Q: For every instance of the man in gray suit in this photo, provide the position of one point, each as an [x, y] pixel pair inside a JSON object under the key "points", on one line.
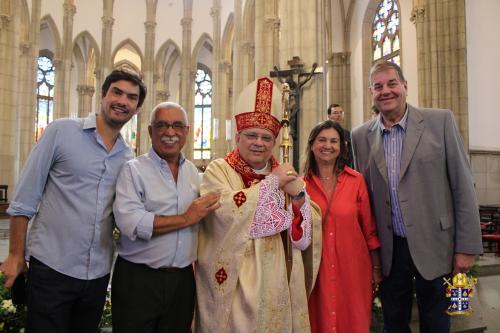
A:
{"points": [[423, 198]]}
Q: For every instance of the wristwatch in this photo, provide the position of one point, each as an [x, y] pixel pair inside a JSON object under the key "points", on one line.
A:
{"points": [[299, 195]]}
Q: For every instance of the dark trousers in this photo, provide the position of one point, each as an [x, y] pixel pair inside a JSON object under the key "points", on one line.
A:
{"points": [[151, 300], [58, 303], [396, 294]]}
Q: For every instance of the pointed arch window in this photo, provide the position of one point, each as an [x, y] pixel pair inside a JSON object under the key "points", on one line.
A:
{"points": [[386, 32], [44, 94], [202, 113]]}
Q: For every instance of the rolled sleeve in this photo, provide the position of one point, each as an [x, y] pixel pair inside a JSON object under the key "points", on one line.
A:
{"points": [[131, 216], [33, 179]]}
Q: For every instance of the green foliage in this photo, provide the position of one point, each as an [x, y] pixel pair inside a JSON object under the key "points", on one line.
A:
{"points": [[106, 314], [12, 317]]}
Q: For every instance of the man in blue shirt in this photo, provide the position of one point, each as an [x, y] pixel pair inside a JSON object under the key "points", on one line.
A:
{"points": [[66, 190], [157, 210]]}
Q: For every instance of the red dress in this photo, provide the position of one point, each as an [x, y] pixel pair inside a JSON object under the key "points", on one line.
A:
{"points": [[341, 300]]}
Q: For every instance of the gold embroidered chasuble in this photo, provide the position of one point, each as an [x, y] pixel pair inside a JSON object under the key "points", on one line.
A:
{"points": [[242, 282]]}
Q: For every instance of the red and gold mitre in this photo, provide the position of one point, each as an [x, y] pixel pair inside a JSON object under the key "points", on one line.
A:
{"points": [[258, 96]]}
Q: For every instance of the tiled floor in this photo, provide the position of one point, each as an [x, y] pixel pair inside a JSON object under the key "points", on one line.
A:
{"points": [[488, 288]]}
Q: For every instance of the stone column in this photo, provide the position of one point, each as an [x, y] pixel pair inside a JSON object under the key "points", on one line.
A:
{"points": [[9, 61], [19, 51], [267, 25], [187, 76], [225, 95], [442, 57], [63, 72], [143, 140], [217, 116], [162, 96], [340, 68], [302, 34], [85, 93], [106, 39], [238, 82]]}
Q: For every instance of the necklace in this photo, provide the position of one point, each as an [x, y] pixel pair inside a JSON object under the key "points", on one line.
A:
{"points": [[324, 178]]}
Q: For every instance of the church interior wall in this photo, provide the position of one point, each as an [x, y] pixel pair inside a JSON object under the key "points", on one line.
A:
{"points": [[348, 37], [129, 24], [483, 54], [168, 22]]}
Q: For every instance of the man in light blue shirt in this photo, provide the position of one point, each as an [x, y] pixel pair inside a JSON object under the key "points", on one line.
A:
{"points": [[157, 210], [66, 190]]}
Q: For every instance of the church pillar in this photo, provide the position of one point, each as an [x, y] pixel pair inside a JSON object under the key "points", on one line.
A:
{"points": [[217, 114], [63, 72], [143, 139], [225, 95], [162, 96], [18, 54], [302, 34], [9, 62], [238, 81], [267, 25], [339, 68], [85, 93], [442, 57], [106, 39], [187, 76]]}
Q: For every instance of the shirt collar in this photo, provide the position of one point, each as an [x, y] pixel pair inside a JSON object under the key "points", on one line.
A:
{"points": [[90, 121], [402, 123], [160, 161]]}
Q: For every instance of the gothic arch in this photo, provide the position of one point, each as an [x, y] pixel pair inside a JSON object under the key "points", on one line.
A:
{"points": [[47, 22], [167, 82], [227, 39], [86, 58], [86, 51], [203, 45], [132, 46]]}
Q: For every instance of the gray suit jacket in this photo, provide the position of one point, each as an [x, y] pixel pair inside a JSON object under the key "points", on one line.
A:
{"points": [[436, 190]]}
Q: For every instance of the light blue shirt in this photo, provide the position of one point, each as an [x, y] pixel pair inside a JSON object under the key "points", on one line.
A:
{"points": [[145, 188], [393, 139], [67, 188]]}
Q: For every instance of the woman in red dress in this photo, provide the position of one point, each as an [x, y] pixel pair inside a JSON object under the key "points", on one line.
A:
{"points": [[341, 300]]}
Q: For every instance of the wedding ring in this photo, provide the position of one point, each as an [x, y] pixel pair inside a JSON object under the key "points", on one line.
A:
{"points": [[289, 173]]}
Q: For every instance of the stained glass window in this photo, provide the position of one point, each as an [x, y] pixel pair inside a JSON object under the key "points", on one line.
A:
{"points": [[385, 32], [202, 114], [45, 95]]}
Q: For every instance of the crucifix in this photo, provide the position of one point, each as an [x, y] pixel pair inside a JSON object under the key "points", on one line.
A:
{"points": [[296, 77]]}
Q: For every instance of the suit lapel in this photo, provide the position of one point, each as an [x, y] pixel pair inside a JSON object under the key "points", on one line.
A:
{"points": [[414, 130], [377, 149]]}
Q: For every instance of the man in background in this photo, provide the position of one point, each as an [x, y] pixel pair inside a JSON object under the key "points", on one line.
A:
{"points": [[336, 113]]}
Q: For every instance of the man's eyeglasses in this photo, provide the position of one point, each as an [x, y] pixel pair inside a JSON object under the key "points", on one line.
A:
{"points": [[337, 113], [253, 137], [176, 125]]}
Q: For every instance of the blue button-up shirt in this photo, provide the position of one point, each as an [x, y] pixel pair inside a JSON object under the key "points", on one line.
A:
{"points": [[393, 139], [145, 188], [67, 188]]}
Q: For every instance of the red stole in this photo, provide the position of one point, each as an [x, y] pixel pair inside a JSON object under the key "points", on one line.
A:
{"points": [[240, 166]]}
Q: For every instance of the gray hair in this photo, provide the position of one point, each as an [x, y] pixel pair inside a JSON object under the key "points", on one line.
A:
{"points": [[167, 105], [385, 65]]}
